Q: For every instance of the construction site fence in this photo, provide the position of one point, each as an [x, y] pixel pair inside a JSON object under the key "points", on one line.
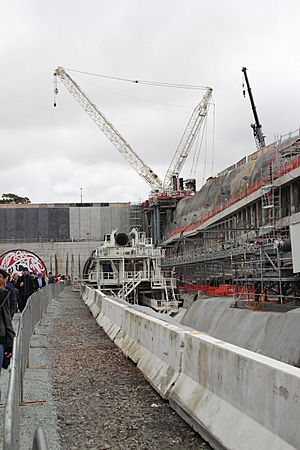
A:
{"points": [[246, 292], [223, 290], [24, 325]]}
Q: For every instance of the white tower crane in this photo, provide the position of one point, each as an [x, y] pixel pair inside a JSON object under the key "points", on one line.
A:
{"points": [[109, 130], [187, 140], [125, 149]]}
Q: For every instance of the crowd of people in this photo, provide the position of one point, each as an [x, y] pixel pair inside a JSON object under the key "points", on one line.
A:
{"points": [[15, 290]]}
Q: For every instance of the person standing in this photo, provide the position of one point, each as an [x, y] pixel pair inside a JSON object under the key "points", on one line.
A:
{"points": [[26, 286], [14, 282], [51, 278], [7, 333], [33, 276], [12, 299], [40, 281]]}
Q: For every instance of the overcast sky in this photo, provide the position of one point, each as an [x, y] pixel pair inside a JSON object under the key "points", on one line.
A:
{"points": [[49, 153]]}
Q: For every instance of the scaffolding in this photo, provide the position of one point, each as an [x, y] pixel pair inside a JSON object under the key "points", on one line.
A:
{"points": [[242, 262], [248, 254], [158, 212], [270, 193]]}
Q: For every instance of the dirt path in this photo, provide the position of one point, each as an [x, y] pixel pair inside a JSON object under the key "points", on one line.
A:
{"points": [[103, 400]]}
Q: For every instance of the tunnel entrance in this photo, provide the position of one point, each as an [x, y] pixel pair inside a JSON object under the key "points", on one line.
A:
{"points": [[15, 260]]}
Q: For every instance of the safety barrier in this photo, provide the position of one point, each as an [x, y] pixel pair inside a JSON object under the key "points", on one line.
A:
{"points": [[31, 315], [235, 398], [243, 399], [227, 290], [111, 316], [107, 314], [140, 338], [154, 345], [11, 437]]}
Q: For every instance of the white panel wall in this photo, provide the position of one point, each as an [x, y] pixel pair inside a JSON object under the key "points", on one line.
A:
{"points": [[94, 222], [295, 240]]}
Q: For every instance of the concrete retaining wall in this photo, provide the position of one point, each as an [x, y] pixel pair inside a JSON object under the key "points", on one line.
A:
{"points": [[273, 334], [235, 398], [62, 221], [62, 235], [65, 257]]}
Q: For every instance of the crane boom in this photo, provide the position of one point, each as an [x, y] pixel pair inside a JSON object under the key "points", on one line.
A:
{"points": [[257, 128], [187, 139], [109, 130]]}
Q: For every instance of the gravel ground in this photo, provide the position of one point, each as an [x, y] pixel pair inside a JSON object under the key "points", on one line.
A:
{"points": [[102, 400]]}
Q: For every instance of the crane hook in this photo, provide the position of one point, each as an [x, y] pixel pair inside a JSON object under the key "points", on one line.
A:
{"points": [[55, 89]]}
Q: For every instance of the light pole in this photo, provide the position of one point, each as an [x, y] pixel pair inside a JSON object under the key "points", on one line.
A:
{"points": [[79, 218]]}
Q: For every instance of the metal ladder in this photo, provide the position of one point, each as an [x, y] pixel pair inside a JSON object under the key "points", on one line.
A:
{"points": [[170, 297], [270, 200], [130, 285]]}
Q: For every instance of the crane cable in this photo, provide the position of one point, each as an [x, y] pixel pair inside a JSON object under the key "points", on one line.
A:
{"points": [[198, 146], [205, 151], [152, 83], [213, 139], [131, 97], [198, 149], [196, 155]]}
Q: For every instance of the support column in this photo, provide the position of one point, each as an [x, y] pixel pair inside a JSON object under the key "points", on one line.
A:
{"points": [[292, 198]]}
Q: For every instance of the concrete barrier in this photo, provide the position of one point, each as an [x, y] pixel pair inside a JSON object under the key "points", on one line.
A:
{"points": [[96, 301], [235, 398], [155, 346], [152, 344], [111, 316], [92, 298], [84, 292]]}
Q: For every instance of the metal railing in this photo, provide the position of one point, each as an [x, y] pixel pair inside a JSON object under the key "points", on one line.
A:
{"points": [[31, 315], [39, 440]]}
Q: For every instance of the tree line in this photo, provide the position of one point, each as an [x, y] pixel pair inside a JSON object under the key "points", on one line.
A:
{"points": [[15, 199]]}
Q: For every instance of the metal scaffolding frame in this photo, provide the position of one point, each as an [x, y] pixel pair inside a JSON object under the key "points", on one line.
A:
{"points": [[258, 266]]}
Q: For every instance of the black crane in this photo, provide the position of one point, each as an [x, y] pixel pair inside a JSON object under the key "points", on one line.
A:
{"points": [[257, 128]]}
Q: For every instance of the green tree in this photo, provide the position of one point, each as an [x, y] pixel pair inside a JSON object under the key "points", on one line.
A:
{"points": [[13, 198]]}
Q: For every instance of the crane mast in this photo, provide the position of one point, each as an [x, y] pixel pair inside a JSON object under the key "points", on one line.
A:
{"points": [[109, 130], [257, 128], [187, 140]]}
